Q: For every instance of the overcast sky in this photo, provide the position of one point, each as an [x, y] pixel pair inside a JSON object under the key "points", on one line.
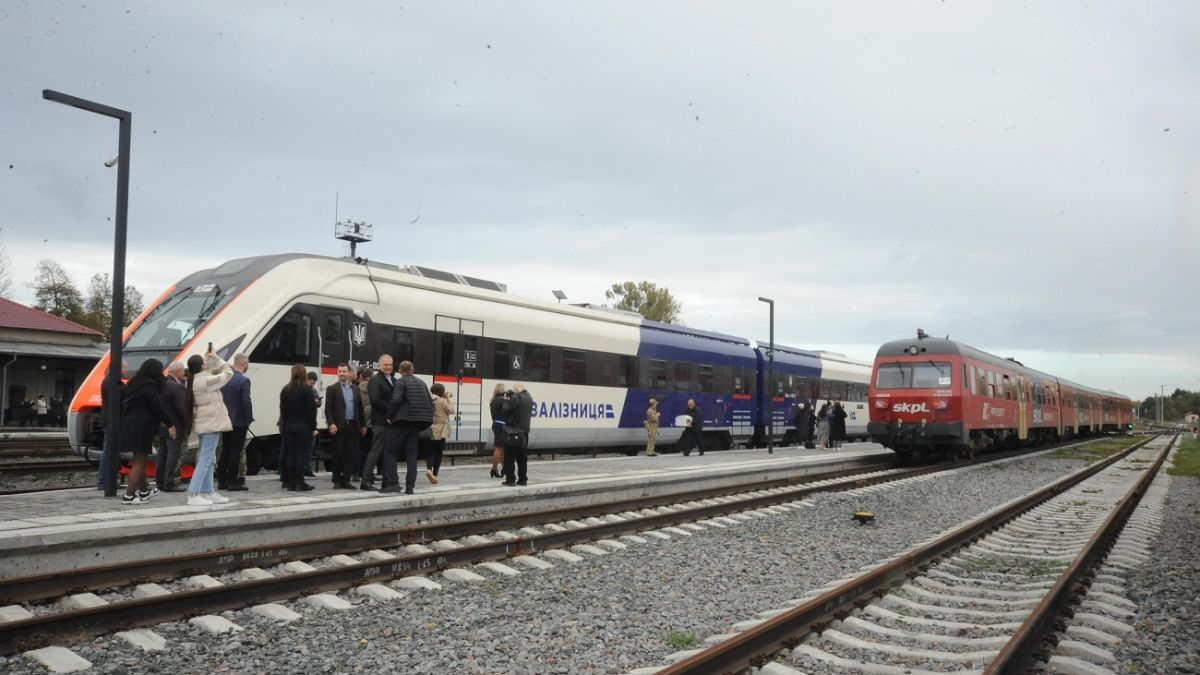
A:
{"points": [[1023, 177]]}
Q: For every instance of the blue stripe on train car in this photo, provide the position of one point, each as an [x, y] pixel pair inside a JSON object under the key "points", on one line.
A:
{"points": [[666, 342], [789, 361]]}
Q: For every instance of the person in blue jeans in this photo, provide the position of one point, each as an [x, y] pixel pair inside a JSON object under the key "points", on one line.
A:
{"points": [[207, 418]]}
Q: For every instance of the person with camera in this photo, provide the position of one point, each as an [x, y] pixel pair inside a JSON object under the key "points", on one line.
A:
{"points": [[409, 412], [518, 409]]}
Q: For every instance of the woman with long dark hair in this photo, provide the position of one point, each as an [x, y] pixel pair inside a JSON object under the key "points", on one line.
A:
{"points": [[141, 415], [207, 417], [298, 420]]}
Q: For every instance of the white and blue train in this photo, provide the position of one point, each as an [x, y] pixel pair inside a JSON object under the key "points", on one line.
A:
{"points": [[590, 370]]}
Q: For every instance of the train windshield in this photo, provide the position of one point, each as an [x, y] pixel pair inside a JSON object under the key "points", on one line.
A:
{"points": [[177, 319], [913, 375]]}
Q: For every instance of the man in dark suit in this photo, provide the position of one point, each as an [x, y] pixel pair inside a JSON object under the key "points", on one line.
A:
{"points": [[518, 410], [174, 403], [346, 423], [236, 394], [379, 391]]}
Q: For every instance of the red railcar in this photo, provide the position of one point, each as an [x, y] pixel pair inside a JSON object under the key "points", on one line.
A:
{"points": [[932, 396]]}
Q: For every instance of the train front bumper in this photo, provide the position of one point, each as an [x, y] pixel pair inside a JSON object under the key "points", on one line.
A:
{"points": [[899, 434]]}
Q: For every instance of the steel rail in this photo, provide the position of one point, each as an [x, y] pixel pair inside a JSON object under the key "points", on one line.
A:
{"points": [[44, 467], [753, 646], [1022, 650], [44, 630], [40, 586]]}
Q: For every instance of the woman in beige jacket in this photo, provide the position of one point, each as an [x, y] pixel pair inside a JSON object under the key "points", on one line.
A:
{"points": [[207, 418], [443, 411]]}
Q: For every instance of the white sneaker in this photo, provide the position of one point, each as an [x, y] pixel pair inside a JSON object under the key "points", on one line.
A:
{"points": [[218, 498], [199, 500]]}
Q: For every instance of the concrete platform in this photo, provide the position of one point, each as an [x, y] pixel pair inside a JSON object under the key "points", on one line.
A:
{"points": [[52, 531]]}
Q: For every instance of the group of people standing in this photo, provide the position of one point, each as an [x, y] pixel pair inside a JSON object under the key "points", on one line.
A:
{"points": [[829, 422], [373, 420], [40, 412], [693, 429]]}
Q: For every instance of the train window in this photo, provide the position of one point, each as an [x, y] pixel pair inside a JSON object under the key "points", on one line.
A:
{"points": [[629, 371], [656, 374], [402, 345], [704, 377], [288, 342], [974, 383], [446, 354], [500, 361], [826, 390], [964, 379], [682, 376], [331, 327], [991, 384], [801, 388], [537, 363], [177, 319], [573, 370]]}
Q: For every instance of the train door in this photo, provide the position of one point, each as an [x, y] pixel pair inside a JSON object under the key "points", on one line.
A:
{"points": [[456, 357], [1022, 409]]}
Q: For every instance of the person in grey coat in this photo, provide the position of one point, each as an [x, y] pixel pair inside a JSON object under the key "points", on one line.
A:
{"points": [[409, 412]]}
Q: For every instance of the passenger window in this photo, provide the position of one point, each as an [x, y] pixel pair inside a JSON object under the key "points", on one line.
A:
{"points": [[629, 371], [537, 363], [500, 361], [331, 327], [974, 383], [402, 345], [573, 367], [288, 342], [656, 374], [682, 376], [705, 377]]}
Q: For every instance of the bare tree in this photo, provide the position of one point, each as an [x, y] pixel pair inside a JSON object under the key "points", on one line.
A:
{"points": [[55, 292], [5, 272]]}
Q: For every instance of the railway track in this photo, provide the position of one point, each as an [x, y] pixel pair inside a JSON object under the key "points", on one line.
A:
{"points": [[986, 597], [49, 466], [305, 567]]}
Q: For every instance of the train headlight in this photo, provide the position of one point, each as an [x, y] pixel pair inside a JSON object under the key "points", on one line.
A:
{"points": [[914, 350], [941, 404], [880, 404]]}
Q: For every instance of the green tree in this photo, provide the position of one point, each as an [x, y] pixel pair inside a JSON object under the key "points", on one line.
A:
{"points": [[134, 305], [55, 292], [646, 299]]}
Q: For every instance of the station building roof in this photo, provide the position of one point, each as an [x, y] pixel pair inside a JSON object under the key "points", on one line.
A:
{"points": [[18, 316]]}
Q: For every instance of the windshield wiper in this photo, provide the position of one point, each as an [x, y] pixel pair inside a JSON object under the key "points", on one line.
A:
{"points": [[937, 368], [208, 308], [178, 298]]}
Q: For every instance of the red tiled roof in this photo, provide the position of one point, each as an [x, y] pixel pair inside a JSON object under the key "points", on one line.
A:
{"points": [[16, 315]]}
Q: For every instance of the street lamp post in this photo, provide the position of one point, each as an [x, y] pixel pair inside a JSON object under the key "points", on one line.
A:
{"points": [[771, 381], [112, 399]]}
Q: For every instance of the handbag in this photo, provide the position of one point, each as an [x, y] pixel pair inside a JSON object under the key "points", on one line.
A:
{"points": [[426, 434]]}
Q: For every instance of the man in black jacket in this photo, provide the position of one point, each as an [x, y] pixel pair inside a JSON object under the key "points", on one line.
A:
{"points": [[410, 411], [174, 402], [379, 391], [691, 434], [346, 423], [518, 410]]}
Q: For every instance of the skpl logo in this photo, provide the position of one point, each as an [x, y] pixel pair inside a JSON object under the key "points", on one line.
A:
{"points": [[910, 408]]}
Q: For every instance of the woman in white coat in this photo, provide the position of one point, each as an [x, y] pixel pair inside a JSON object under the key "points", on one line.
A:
{"points": [[207, 417]]}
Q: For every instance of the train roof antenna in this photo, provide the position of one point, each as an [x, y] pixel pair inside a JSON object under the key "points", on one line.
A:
{"points": [[921, 334]]}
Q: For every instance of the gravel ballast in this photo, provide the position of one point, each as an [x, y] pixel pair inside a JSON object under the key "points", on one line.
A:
{"points": [[610, 613], [1166, 637]]}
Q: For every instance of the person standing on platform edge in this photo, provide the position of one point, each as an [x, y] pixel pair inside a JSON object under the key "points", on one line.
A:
{"points": [[346, 422], [103, 472], [652, 417], [379, 391], [410, 411], [236, 394], [207, 417], [174, 403], [141, 415], [823, 426], [443, 410], [518, 410], [298, 419], [692, 436], [496, 407]]}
